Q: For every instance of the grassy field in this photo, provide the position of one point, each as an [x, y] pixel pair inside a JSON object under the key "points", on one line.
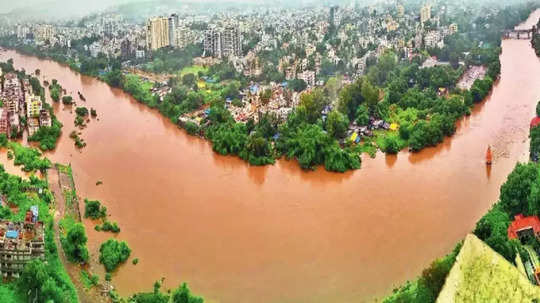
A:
{"points": [[482, 275], [194, 69]]}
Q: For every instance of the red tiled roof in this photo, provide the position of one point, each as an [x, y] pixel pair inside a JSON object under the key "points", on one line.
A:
{"points": [[535, 122], [521, 222]]}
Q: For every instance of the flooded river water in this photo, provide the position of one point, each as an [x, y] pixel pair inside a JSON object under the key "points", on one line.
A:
{"points": [[241, 234]]}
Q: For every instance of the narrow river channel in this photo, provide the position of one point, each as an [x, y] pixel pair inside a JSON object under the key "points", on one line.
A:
{"points": [[241, 234]]}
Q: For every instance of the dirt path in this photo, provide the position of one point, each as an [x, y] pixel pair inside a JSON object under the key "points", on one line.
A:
{"points": [[85, 296]]}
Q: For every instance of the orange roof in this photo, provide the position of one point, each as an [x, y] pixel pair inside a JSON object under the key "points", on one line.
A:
{"points": [[520, 222], [535, 122]]}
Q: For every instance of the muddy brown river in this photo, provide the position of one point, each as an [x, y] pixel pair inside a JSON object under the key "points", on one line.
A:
{"points": [[242, 234]]}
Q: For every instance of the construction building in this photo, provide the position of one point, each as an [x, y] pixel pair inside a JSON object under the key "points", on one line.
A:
{"points": [[223, 43], [21, 242], [173, 25]]}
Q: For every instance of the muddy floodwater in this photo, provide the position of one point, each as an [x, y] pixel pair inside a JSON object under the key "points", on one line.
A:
{"points": [[242, 234]]}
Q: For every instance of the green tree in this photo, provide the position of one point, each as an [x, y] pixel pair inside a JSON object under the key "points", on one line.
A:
{"points": [[74, 244], [370, 94], [337, 124], [188, 80], [94, 209], [112, 253], [183, 295], [350, 97], [313, 103], [517, 188], [297, 85]]}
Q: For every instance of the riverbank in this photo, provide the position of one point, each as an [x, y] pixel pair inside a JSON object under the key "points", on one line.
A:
{"points": [[246, 224], [386, 115], [491, 228], [45, 276]]}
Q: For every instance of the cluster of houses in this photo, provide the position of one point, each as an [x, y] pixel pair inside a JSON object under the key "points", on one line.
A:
{"points": [[19, 101], [524, 229], [21, 242]]}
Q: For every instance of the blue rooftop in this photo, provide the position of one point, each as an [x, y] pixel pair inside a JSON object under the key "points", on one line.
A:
{"points": [[12, 234]]}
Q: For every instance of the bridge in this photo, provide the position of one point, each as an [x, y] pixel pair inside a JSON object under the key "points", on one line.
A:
{"points": [[520, 33]]}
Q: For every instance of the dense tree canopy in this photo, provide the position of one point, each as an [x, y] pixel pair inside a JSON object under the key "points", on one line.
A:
{"points": [[112, 253]]}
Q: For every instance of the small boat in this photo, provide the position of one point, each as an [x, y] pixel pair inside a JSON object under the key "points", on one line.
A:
{"points": [[489, 157], [81, 96]]}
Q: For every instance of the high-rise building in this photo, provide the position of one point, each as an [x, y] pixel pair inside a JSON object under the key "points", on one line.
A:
{"points": [[231, 43], [125, 49], [44, 32], [222, 43], [335, 15], [173, 24], [157, 33], [453, 28], [184, 37], [425, 13], [400, 10], [108, 28]]}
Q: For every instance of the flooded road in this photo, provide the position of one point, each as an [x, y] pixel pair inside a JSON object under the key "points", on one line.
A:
{"points": [[241, 234]]}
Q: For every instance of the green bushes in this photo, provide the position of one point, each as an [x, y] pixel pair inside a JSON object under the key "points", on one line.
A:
{"points": [[74, 244], [481, 89], [492, 228], [191, 128], [55, 90], [515, 192], [94, 209], [182, 294], [81, 111], [29, 158], [108, 226], [534, 145], [47, 136], [3, 140], [428, 286], [67, 100], [112, 253]]}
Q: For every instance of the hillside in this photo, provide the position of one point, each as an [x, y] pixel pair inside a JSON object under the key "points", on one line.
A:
{"points": [[482, 275]]}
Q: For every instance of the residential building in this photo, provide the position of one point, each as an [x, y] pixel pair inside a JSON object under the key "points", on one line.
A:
{"points": [[45, 118], [4, 121], [425, 13], [125, 49], [173, 25], [33, 106], [308, 76], [524, 227], [12, 94], [44, 32], [33, 125], [157, 33], [453, 28], [140, 53], [184, 37], [432, 39], [21, 242], [400, 10], [222, 43]]}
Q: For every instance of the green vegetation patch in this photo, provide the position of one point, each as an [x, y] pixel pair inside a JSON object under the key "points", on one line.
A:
{"points": [[94, 210], [112, 253], [30, 158]]}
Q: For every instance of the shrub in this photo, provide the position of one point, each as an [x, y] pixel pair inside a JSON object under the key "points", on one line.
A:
{"points": [[94, 210], [112, 253]]}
